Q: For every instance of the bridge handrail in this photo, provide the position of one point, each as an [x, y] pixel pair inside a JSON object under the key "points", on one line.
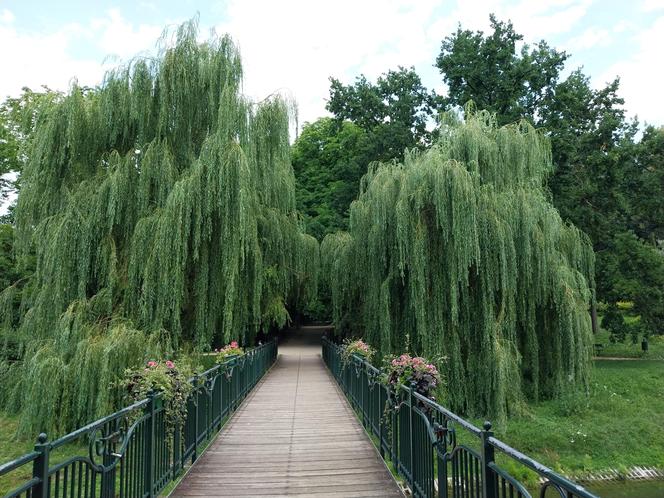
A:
{"points": [[128, 451], [420, 438]]}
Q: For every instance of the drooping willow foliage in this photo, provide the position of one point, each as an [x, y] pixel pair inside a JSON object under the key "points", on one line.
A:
{"points": [[161, 209], [458, 252]]}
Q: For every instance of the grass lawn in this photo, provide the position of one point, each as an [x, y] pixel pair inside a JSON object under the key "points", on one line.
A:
{"points": [[11, 448], [621, 424]]}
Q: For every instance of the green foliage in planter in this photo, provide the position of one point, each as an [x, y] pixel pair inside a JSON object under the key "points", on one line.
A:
{"points": [[458, 252], [356, 347], [413, 372], [169, 381], [232, 349], [162, 203]]}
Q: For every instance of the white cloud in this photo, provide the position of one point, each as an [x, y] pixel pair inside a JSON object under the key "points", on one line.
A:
{"points": [[641, 76], [37, 59], [297, 45], [6, 16], [652, 5], [47, 58], [536, 20], [590, 38], [118, 36]]}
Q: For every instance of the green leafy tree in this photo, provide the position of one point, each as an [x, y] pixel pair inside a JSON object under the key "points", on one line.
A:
{"points": [[623, 265], [458, 252], [592, 151], [490, 71], [394, 111], [329, 158], [614, 322], [18, 118], [9, 158], [8, 267], [646, 192], [603, 181], [161, 210]]}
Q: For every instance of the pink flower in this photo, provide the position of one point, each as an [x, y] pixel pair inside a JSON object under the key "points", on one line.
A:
{"points": [[152, 364], [234, 344], [170, 364]]}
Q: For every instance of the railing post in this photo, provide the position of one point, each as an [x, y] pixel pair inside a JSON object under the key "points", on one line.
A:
{"points": [[151, 409], [441, 453], [195, 394], [177, 450], [381, 425], [363, 392], [489, 488], [411, 389], [220, 381], [40, 467]]}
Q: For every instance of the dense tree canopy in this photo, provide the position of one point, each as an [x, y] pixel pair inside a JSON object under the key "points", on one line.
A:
{"points": [[457, 252], [329, 158], [646, 192], [622, 273], [18, 117], [489, 70], [604, 182], [372, 122], [394, 111], [161, 208]]}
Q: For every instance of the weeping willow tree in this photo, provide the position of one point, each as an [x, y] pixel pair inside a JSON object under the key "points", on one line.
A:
{"points": [[459, 253], [161, 210]]}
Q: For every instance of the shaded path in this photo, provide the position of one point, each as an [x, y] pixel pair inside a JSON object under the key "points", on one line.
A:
{"points": [[294, 436]]}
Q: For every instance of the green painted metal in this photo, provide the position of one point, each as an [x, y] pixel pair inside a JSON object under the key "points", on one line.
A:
{"points": [[419, 437], [128, 453]]}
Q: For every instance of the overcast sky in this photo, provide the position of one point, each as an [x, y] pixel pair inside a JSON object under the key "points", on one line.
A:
{"points": [[295, 46]]}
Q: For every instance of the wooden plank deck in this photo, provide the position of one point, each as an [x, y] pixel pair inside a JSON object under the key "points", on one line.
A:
{"points": [[295, 435]]}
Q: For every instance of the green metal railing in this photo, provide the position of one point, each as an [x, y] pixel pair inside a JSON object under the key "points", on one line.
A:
{"points": [[419, 437], [128, 452]]}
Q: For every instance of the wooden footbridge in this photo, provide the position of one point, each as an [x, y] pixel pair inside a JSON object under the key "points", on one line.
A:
{"points": [[292, 421], [295, 435]]}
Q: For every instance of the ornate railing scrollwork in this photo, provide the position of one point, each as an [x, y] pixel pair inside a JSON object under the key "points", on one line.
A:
{"points": [[110, 441]]}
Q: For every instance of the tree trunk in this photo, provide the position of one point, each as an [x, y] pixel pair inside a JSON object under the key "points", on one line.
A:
{"points": [[593, 316]]}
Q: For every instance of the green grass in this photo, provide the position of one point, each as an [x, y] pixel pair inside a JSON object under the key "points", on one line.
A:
{"points": [[11, 448], [619, 426]]}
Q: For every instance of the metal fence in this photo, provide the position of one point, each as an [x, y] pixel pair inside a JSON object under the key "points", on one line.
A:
{"points": [[128, 452], [423, 441]]}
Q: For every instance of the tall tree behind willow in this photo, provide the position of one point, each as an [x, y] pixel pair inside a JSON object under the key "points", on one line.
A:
{"points": [[161, 207], [458, 252]]}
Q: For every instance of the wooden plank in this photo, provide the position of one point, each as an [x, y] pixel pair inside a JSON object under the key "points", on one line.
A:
{"points": [[294, 436]]}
